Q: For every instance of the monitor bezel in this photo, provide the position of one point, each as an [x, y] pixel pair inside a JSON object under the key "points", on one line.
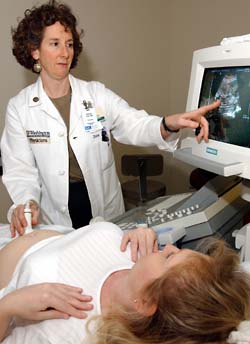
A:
{"points": [[216, 156]]}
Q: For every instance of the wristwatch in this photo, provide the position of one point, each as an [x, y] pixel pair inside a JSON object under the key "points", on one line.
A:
{"points": [[167, 128]]}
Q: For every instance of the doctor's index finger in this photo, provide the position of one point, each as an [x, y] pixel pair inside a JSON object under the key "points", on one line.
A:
{"points": [[199, 113], [206, 108]]}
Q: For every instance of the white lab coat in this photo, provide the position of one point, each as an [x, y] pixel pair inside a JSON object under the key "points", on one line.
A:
{"points": [[35, 153]]}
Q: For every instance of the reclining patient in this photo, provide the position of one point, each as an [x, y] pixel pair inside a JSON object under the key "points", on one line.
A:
{"points": [[170, 296]]}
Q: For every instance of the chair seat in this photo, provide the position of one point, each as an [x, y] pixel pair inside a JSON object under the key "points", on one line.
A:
{"points": [[131, 189]]}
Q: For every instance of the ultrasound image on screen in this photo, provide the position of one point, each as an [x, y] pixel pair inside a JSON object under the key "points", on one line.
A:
{"points": [[229, 123]]}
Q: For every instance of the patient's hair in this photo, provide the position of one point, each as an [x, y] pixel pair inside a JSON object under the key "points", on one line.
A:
{"points": [[198, 301], [28, 35]]}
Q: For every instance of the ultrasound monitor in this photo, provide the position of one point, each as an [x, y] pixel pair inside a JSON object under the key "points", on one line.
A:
{"points": [[230, 123], [221, 72]]}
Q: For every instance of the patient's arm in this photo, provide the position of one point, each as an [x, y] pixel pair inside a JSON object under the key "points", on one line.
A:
{"points": [[42, 302], [143, 241]]}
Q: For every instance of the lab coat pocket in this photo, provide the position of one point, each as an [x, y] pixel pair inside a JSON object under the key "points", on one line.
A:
{"points": [[106, 155]]}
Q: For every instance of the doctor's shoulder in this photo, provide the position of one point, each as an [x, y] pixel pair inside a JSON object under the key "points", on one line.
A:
{"points": [[22, 97], [98, 91], [104, 97], [81, 86]]}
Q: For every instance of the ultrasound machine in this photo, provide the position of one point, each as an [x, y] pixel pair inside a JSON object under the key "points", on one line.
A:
{"points": [[218, 208]]}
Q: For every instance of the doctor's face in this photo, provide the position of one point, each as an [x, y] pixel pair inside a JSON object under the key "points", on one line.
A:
{"points": [[55, 52]]}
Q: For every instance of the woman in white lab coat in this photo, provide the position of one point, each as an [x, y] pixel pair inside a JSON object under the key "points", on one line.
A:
{"points": [[56, 145]]}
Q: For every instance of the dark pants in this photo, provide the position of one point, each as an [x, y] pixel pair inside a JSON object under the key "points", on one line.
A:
{"points": [[79, 204]]}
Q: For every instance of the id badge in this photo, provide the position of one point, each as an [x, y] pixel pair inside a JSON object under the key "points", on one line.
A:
{"points": [[90, 122]]}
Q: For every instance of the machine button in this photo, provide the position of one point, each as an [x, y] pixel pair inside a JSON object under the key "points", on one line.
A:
{"points": [[61, 172]]}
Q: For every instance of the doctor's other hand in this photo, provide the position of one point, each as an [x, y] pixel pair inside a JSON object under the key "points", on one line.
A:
{"points": [[193, 119], [18, 221], [143, 241], [46, 301]]}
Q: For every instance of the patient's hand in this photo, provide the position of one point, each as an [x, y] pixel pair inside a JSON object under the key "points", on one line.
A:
{"points": [[18, 221], [142, 240], [47, 301]]}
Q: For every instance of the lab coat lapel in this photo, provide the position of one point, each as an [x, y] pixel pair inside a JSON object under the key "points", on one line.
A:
{"points": [[38, 97], [77, 110]]}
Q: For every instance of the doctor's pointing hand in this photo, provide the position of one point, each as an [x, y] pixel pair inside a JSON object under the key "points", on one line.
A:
{"points": [[56, 145]]}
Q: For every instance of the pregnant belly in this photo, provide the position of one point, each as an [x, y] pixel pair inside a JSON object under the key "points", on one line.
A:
{"points": [[12, 252]]}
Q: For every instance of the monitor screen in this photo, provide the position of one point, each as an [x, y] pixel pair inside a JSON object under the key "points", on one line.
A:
{"points": [[221, 72], [229, 123]]}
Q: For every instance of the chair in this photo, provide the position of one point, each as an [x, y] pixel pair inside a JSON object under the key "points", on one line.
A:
{"points": [[142, 189]]}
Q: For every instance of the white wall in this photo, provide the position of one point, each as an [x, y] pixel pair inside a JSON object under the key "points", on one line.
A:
{"points": [[141, 49]]}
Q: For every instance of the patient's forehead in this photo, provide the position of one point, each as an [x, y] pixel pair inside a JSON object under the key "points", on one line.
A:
{"points": [[187, 255]]}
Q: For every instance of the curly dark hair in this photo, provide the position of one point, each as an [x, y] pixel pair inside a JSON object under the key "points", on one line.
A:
{"points": [[28, 35]]}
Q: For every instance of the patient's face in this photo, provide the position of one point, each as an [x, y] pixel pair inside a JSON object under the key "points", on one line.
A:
{"points": [[153, 266]]}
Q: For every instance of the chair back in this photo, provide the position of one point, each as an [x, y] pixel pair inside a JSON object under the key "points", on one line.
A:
{"points": [[142, 166]]}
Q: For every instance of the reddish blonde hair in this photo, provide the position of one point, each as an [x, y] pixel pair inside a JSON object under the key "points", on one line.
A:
{"points": [[201, 300]]}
